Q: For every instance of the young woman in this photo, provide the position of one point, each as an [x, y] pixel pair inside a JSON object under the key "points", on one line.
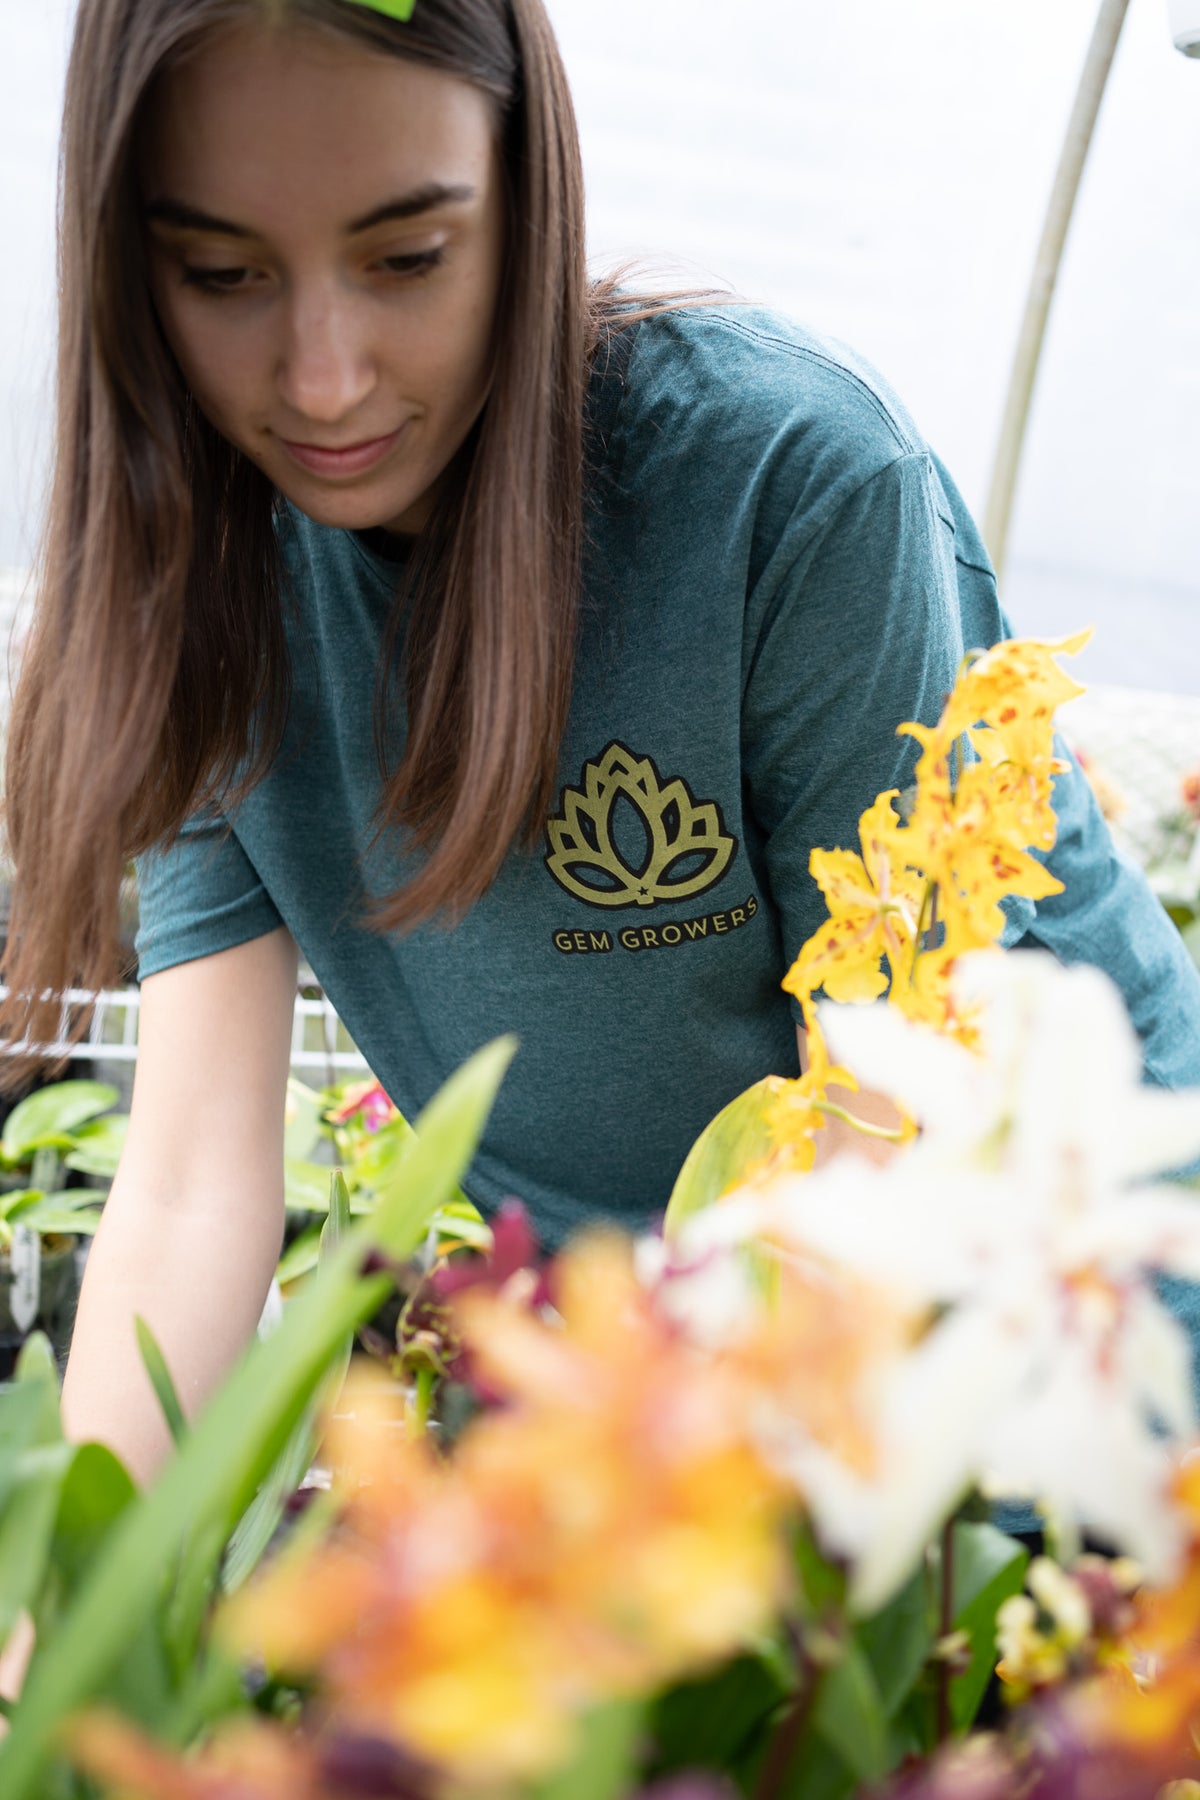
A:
{"points": [[504, 643]]}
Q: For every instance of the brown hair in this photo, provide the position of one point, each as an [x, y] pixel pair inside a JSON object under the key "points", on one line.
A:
{"points": [[156, 676]]}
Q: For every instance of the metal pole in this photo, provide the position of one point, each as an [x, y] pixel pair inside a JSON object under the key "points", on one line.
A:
{"points": [[1072, 158]]}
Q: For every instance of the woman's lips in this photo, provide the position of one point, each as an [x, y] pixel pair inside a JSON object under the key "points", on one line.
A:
{"points": [[353, 459]]}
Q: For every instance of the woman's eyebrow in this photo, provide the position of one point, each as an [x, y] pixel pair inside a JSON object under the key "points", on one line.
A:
{"points": [[167, 211]]}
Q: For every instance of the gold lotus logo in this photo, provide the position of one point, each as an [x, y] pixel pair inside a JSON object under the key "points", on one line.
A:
{"points": [[673, 847]]}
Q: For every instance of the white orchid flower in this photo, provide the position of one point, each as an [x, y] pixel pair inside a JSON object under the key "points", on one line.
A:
{"points": [[1050, 1368]]}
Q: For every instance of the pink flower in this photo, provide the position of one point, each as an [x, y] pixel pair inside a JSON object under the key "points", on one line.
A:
{"points": [[367, 1101]]}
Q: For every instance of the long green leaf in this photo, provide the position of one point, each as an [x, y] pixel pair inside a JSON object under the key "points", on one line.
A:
{"points": [[28, 1409], [160, 1379], [63, 1221], [337, 1222], [300, 1257], [237, 1438], [35, 1476], [96, 1490], [261, 1521], [850, 1715], [898, 1640]]}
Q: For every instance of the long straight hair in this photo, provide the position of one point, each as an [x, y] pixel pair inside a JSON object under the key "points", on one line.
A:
{"points": [[156, 675]]}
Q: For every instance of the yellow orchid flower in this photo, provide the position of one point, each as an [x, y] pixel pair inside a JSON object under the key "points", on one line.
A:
{"points": [[926, 890]]}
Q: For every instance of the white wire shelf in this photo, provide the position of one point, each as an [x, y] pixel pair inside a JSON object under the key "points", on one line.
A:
{"points": [[320, 1042]]}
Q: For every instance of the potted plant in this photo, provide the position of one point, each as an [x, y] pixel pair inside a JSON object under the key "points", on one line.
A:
{"points": [[63, 1130]]}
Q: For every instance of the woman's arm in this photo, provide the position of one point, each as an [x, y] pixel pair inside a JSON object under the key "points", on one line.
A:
{"points": [[193, 1225]]}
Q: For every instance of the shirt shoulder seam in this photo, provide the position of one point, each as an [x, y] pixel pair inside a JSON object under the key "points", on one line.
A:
{"points": [[910, 444]]}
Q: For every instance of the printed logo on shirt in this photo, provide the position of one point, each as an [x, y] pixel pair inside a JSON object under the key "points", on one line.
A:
{"points": [[655, 937], [627, 837]]}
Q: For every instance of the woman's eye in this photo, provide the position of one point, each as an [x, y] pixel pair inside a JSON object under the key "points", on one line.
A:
{"points": [[217, 281], [413, 262]]}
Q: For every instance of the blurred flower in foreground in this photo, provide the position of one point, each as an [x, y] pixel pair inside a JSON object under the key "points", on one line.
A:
{"points": [[1148, 1710], [245, 1761], [610, 1526], [1022, 1219]]}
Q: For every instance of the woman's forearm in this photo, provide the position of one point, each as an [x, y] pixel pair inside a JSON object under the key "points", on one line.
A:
{"points": [[198, 1273]]}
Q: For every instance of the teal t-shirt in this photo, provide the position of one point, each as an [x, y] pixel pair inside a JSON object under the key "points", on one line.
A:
{"points": [[777, 574]]}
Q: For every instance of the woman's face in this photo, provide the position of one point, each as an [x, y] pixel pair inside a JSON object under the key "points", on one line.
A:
{"points": [[326, 232]]}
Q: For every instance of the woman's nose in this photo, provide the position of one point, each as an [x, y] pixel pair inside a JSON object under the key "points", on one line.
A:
{"points": [[326, 366]]}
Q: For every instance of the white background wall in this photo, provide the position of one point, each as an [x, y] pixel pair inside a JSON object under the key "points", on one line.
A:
{"points": [[879, 168]]}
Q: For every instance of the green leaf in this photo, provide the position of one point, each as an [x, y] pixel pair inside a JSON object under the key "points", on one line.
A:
{"points": [[262, 1519], [989, 1567], [897, 1642], [822, 1583], [461, 1223], [738, 1137], [64, 1200], [604, 1765], [50, 1116], [17, 1200], [99, 1145], [35, 1464], [95, 1491], [70, 1214], [29, 1413], [815, 1771], [160, 1379], [191, 1597], [708, 1723], [27, 1530], [237, 1438], [300, 1257], [446, 1134], [306, 1186], [849, 1715], [302, 1121], [378, 1153], [337, 1224]]}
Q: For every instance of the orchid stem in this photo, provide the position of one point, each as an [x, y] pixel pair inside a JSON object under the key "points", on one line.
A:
{"points": [[421, 1404], [833, 1111], [946, 1626], [789, 1733]]}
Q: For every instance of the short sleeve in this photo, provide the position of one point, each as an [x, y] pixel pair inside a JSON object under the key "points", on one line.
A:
{"points": [[199, 895], [859, 631]]}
